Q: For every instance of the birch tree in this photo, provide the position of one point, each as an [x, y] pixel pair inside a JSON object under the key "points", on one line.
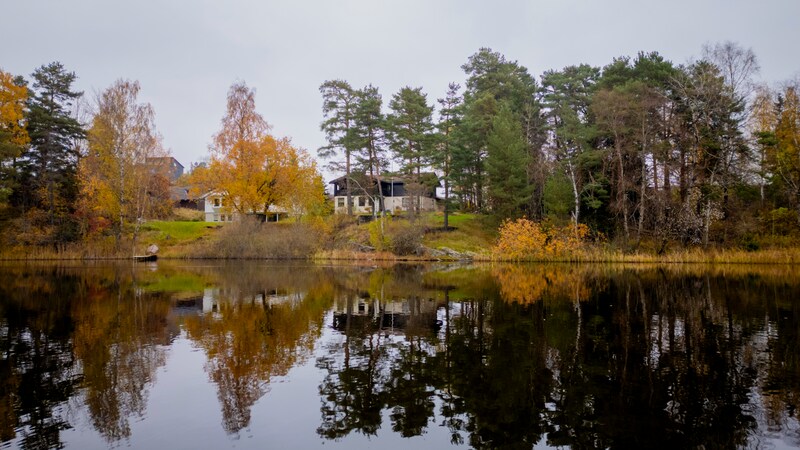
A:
{"points": [[115, 174]]}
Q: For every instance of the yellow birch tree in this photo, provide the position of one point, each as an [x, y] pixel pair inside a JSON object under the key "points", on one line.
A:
{"points": [[13, 135], [115, 174], [254, 170]]}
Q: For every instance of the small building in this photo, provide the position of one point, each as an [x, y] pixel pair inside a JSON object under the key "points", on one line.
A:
{"points": [[399, 194], [167, 166], [216, 207]]}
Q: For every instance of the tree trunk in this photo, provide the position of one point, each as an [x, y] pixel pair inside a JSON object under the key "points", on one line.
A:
{"points": [[622, 196], [347, 184], [575, 193]]}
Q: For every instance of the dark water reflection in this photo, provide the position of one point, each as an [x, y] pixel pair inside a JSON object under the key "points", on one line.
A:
{"points": [[296, 356]]}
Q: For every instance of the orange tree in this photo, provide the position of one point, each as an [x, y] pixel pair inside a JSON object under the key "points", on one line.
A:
{"points": [[252, 169]]}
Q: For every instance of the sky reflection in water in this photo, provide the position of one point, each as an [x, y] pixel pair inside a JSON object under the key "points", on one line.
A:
{"points": [[297, 356]]}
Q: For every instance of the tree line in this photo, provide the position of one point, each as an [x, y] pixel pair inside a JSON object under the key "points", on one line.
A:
{"points": [[72, 168], [640, 149]]}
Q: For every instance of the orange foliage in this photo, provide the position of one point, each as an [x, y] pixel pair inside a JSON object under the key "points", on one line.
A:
{"points": [[525, 284], [525, 239], [254, 169], [12, 105]]}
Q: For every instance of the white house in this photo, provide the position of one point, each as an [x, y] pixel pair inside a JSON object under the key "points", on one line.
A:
{"points": [[396, 195], [216, 207]]}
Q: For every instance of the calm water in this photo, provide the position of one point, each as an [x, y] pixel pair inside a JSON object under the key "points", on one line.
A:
{"points": [[291, 356]]}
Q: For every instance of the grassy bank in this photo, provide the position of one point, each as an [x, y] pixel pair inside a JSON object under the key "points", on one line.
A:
{"points": [[470, 236]]}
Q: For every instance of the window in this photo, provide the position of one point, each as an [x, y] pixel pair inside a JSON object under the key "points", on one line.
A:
{"points": [[362, 201], [216, 202], [340, 202], [406, 202]]}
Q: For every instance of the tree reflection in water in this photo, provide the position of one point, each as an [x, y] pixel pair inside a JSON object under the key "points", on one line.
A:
{"points": [[501, 356], [92, 336], [262, 325], [568, 356]]}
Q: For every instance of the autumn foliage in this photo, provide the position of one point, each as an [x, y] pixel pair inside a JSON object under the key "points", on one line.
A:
{"points": [[254, 170], [524, 239], [529, 284]]}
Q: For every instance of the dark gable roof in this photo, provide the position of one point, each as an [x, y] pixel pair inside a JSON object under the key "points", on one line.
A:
{"points": [[426, 178]]}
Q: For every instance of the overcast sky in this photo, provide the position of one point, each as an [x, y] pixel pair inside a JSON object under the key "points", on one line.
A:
{"points": [[186, 53]]}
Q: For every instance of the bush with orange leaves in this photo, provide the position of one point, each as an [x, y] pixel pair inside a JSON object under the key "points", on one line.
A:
{"points": [[524, 239]]}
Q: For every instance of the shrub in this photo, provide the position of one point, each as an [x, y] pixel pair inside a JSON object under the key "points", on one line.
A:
{"points": [[405, 238], [401, 237], [781, 221], [526, 239], [251, 239]]}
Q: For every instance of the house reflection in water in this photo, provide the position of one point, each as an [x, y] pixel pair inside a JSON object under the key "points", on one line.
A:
{"points": [[363, 313]]}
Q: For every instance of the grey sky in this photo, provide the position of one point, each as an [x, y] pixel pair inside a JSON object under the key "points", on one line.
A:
{"points": [[186, 53]]}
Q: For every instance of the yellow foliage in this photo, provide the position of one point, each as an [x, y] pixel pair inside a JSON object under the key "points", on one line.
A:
{"points": [[253, 169], [525, 239], [12, 109], [525, 284], [117, 184]]}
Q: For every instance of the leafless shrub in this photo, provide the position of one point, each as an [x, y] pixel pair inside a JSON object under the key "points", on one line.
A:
{"points": [[251, 239]]}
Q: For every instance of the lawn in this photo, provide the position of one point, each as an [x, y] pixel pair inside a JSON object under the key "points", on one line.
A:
{"points": [[470, 233], [179, 230]]}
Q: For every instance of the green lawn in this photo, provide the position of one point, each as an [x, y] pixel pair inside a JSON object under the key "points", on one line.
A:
{"points": [[176, 283], [472, 232], [179, 230]]}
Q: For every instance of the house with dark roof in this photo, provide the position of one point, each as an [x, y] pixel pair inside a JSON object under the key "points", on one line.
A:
{"points": [[398, 193]]}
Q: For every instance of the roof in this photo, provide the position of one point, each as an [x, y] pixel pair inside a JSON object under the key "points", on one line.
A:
{"points": [[163, 160], [429, 178]]}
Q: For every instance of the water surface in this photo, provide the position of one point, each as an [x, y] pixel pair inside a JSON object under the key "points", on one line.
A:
{"points": [[292, 355]]}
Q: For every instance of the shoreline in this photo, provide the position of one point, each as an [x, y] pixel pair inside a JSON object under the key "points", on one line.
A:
{"points": [[789, 256]]}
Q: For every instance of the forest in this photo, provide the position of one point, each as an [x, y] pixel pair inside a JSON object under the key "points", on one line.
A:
{"points": [[642, 152]]}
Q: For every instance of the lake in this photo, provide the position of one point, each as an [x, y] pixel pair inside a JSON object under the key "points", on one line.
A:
{"points": [[294, 355]]}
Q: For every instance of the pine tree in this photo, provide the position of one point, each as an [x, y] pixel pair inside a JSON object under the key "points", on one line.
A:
{"points": [[506, 165], [442, 157], [368, 137], [339, 102], [410, 134], [49, 167]]}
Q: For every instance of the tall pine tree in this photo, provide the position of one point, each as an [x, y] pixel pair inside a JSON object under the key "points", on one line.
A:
{"points": [[49, 167], [339, 101], [506, 165], [442, 157], [410, 134]]}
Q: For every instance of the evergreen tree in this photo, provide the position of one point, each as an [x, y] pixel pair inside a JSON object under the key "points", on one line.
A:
{"points": [[410, 126], [368, 137], [339, 102], [49, 167], [506, 163], [410, 135], [491, 78], [469, 156], [567, 95], [442, 157]]}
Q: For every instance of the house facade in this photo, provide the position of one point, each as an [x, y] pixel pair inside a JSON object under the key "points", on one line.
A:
{"points": [[216, 207], [398, 195]]}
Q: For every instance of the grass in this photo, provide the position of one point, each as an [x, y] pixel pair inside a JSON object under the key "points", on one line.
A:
{"points": [[471, 232], [179, 230], [176, 283]]}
